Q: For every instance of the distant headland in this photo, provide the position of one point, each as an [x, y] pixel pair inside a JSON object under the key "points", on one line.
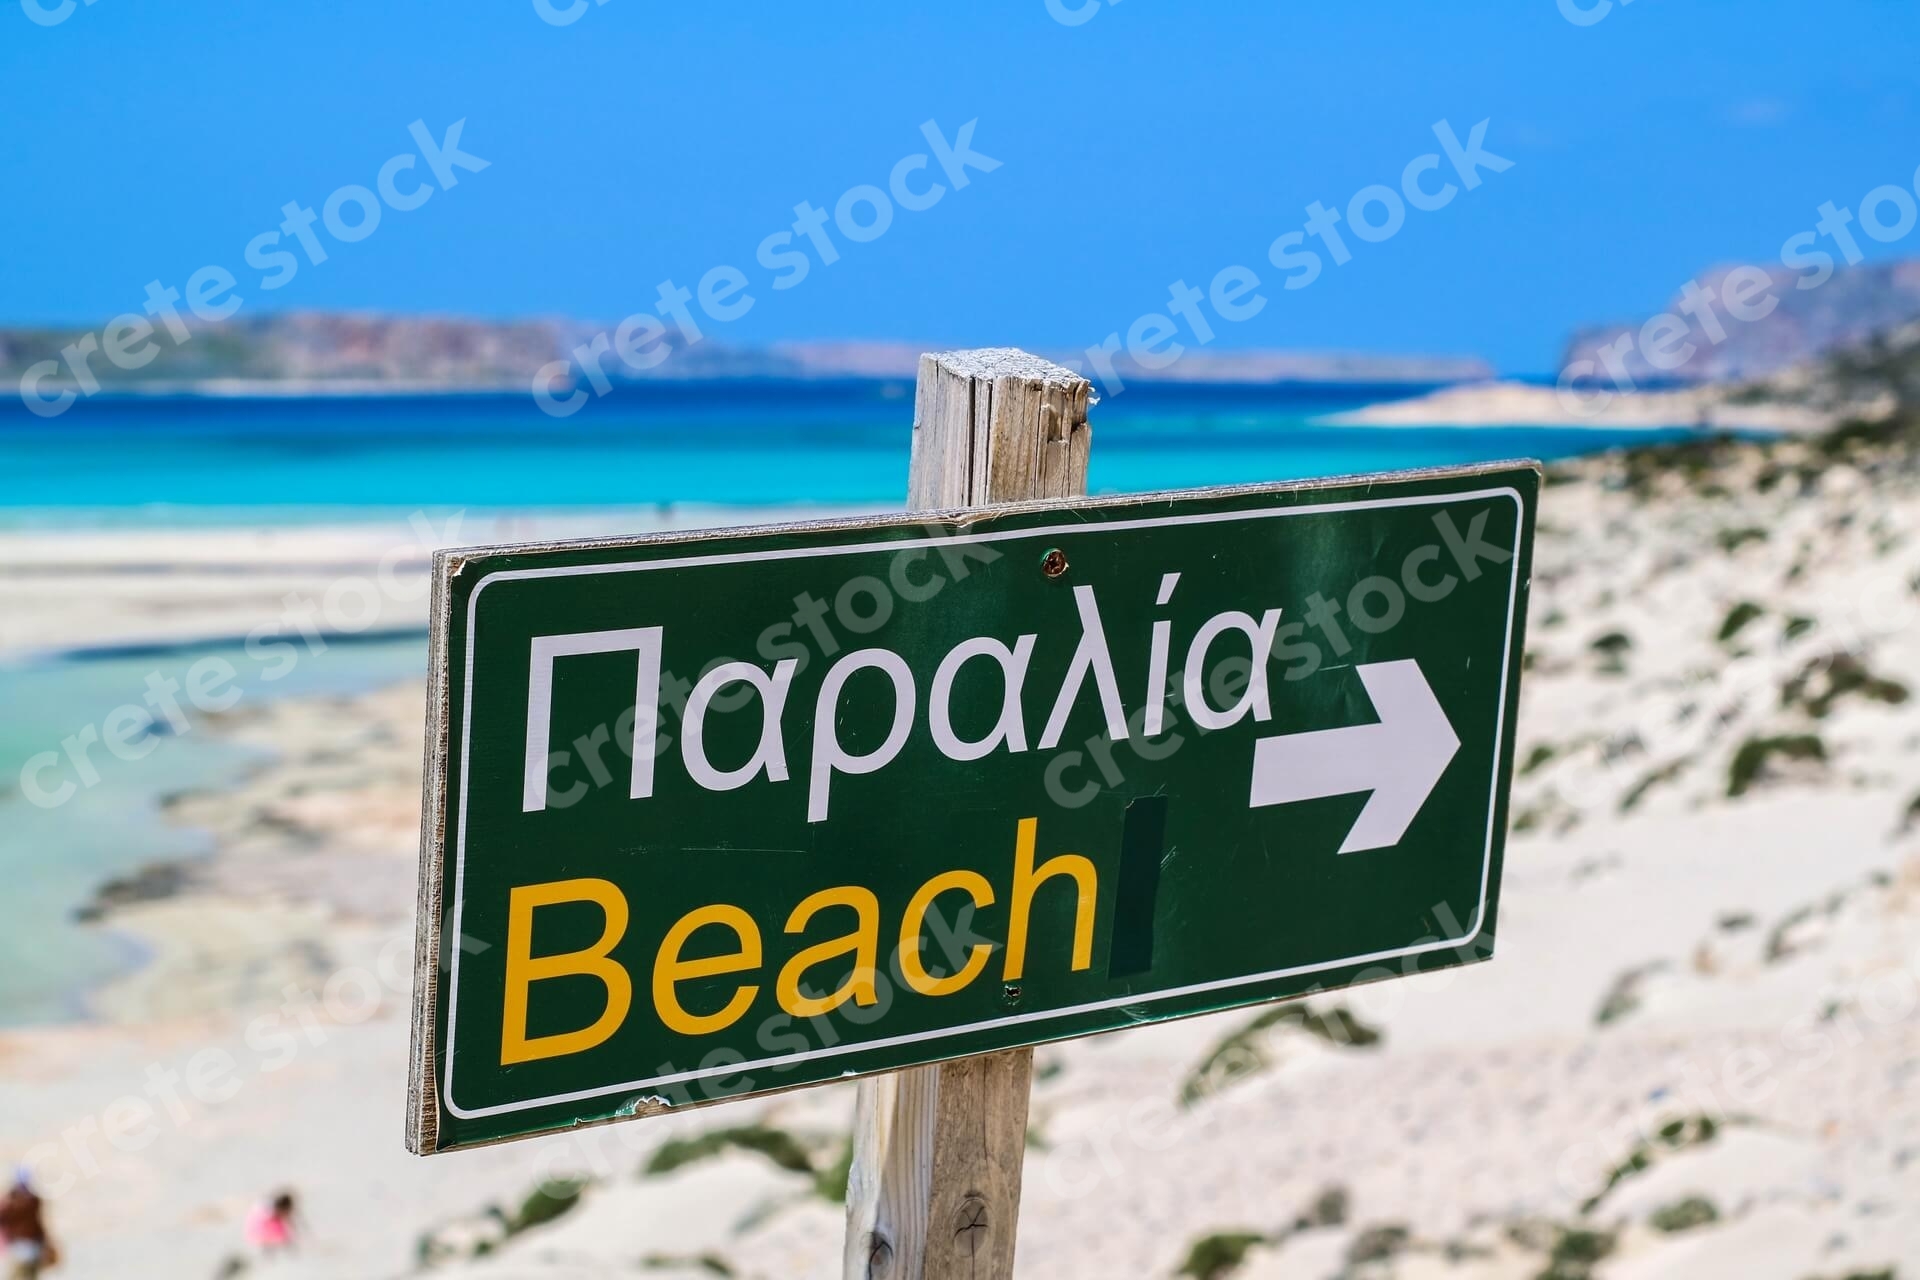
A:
{"points": [[315, 352]]}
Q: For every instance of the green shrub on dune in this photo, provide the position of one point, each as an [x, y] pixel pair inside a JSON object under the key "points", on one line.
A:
{"points": [[1242, 1054], [1684, 1215], [1751, 761], [546, 1202], [1737, 619], [1823, 682], [777, 1145], [1217, 1256]]}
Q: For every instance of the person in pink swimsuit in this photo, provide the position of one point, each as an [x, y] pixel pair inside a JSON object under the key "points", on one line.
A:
{"points": [[270, 1227]]}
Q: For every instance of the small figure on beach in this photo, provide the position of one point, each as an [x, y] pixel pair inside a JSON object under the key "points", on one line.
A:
{"points": [[29, 1251], [270, 1227]]}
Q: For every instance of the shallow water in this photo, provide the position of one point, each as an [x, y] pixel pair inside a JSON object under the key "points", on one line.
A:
{"points": [[53, 858]]}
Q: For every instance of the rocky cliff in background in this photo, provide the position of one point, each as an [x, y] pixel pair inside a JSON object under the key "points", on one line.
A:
{"points": [[323, 351], [1855, 305], [305, 347]]}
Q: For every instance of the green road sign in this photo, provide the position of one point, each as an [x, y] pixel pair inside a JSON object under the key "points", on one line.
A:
{"points": [[734, 812]]}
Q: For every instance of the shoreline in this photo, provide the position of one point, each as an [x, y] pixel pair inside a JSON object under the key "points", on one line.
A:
{"points": [[258, 909], [87, 593], [1521, 404], [186, 646]]}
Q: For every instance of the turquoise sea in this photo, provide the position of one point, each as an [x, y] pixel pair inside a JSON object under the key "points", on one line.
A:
{"points": [[173, 460], [139, 462]]}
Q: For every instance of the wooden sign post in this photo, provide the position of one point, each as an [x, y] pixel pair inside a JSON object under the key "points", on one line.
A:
{"points": [[935, 1188], [1133, 742]]}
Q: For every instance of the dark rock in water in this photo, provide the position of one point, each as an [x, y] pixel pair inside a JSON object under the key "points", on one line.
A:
{"points": [[151, 883]]}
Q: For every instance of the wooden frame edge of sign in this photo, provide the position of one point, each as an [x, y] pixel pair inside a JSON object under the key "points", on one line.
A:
{"points": [[423, 1096]]}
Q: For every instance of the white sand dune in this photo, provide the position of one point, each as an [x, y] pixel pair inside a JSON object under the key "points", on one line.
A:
{"points": [[1521, 404]]}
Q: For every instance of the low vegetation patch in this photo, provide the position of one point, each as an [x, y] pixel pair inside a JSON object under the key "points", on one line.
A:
{"points": [[1623, 997], [1329, 1209], [1222, 1253], [1653, 778], [1737, 619], [1216, 1256], [1572, 1251], [1576, 1253], [544, 1204], [1823, 682], [1613, 648], [1377, 1244], [711, 1263], [483, 1233], [1244, 1054], [1731, 540], [787, 1151], [1537, 759], [1780, 940], [1753, 761], [1647, 467], [1684, 1215], [1792, 934], [1676, 1135]]}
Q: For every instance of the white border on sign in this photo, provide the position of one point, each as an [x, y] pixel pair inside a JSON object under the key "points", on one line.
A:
{"points": [[802, 553]]}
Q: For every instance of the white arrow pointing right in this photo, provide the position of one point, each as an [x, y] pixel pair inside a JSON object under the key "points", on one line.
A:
{"points": [[1399, 760]]}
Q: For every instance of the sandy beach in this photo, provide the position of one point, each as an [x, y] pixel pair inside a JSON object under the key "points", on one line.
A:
{"points": [[1515, 404], [1690, 1058], [93, 588]]}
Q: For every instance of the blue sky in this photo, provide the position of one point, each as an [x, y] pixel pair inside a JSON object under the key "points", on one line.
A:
{"points": [[1157, 140]]}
